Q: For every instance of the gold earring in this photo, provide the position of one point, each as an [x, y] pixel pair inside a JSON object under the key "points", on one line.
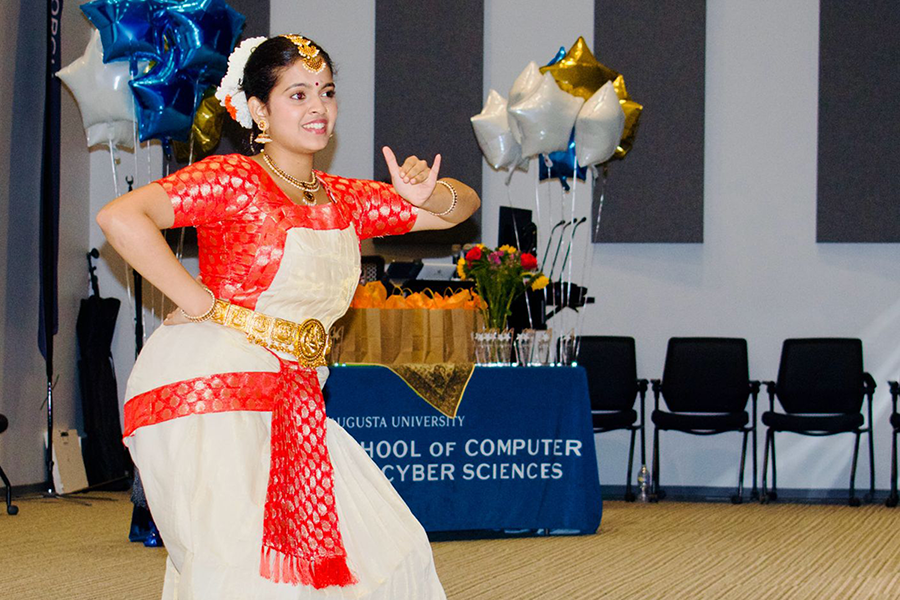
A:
{"points": [[263, 137]]}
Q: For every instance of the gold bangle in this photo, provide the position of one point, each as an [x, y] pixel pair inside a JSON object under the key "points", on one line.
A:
{"points": [[205, 316], [452, 204]]}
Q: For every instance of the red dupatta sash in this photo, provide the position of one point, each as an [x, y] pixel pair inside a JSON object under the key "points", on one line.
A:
{"points": [[301, 538]]}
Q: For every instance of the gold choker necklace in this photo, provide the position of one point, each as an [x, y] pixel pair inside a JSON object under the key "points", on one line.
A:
{"points": [[307, 187]]}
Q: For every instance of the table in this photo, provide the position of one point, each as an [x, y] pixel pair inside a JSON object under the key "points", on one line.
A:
{"points": [[519, 455]]}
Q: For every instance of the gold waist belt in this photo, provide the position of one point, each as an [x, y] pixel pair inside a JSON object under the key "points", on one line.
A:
{"points": [[307, 341]]}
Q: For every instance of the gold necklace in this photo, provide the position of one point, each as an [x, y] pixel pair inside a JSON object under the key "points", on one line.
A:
{"points": [[307, 187]]}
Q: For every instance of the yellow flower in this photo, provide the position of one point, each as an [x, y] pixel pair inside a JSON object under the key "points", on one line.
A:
{"points": [[540, 283], [460, 268], [507, 248]]}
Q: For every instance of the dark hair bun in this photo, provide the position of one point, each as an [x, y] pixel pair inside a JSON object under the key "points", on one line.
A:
{"points": [[267, 62]]}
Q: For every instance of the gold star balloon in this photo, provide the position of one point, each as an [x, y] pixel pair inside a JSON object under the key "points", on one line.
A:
{"points": [[206, 129], [579, 73], [632, 112]]}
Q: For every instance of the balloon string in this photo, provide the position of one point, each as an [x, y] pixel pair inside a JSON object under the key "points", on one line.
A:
{"points": [[134, 133], [179, 251], [589, 258], [161, 307], [161, 312], [537, 202], [572, 237], [600, 204], [115, 177], [537, 206], [112, 160], [519, 246]]}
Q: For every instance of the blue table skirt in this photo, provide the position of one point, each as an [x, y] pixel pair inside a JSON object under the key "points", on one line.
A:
{"points": [[518, 456]]}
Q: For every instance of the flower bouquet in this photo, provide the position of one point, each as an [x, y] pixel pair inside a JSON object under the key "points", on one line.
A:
{"points": [[500, 277]]}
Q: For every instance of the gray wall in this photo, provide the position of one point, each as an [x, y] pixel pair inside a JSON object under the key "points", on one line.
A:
{"points": [[759, 273], [22, 383]]}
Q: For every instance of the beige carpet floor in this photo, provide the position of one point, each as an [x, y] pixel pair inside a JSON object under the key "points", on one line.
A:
{"points": [[59, 549]]}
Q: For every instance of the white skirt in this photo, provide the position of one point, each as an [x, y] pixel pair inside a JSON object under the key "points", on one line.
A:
{"points": [[206, 477]]}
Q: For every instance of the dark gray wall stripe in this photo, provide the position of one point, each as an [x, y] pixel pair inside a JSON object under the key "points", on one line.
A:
{"points": [[656, 193], [428, 82], [234, 137], [859, 122]]}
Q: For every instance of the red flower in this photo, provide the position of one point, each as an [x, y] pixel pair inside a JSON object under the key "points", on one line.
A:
{"points": [[529, 262], [230, 107], [474, 253]]}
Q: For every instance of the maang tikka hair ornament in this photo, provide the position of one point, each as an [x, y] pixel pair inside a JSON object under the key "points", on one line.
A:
{"points": [[312, 58], [230, 92]]}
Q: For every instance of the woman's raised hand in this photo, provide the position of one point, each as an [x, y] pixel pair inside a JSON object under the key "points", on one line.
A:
{"points": [[414, 181]]}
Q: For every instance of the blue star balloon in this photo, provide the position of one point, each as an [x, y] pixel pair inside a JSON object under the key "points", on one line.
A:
{"points": [[126, 29], [562, 165], [166, 99], [202, 34], [189, 41], [561, 54]]}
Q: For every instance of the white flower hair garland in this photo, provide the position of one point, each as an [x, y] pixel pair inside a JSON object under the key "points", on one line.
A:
{"points": [[230, 93]]}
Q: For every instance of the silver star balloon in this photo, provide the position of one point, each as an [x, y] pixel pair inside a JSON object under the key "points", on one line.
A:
{"points": [[492, 131], [599, 127], [546, 118], [103, 96], [524, 85]]}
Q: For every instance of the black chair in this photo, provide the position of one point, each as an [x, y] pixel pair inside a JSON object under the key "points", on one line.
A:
{"points": [[821, 386], [10, 507], [895, 424], [706, 385], [613, 383]]}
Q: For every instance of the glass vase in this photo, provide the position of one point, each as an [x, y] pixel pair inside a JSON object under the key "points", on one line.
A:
{"points": [[492, 346], [566, 349], [525, 347], [541, 353]]}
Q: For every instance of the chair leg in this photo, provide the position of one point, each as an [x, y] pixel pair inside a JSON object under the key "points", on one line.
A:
{"points": [[658, 494], [764, 493], [871, 494], [773, 495], [754, 493], [11, 509], [739, 498], [643, 446], [629, 494], [893, 498], [854, 501]]}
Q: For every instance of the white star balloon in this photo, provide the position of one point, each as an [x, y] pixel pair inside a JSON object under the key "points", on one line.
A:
{"points": [[599, 127], [524, 85], [492, 131], [546, 118], [119, 133], [103, 96]]}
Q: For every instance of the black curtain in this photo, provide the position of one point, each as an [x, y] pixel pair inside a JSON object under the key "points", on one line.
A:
{"points": [[48, 323]]}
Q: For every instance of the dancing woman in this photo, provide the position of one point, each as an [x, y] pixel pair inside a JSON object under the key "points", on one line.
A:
{"points": [[257, 494]]}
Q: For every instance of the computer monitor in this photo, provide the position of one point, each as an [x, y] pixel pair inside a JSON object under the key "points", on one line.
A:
{"points": [[515, 221]]}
